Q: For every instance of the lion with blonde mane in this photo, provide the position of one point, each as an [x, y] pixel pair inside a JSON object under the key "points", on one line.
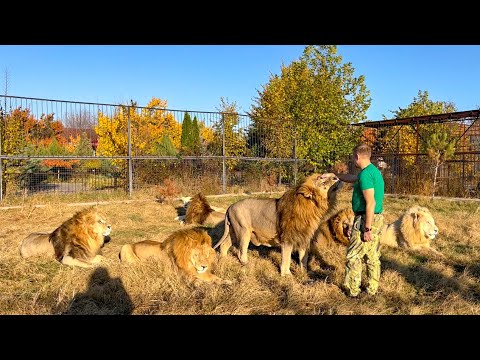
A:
{"points": [[189, 249], [288, 222], [414, 229], [76, 242]]}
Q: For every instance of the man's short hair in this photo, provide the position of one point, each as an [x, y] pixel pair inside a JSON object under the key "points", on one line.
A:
{"points": [[363, 149]]}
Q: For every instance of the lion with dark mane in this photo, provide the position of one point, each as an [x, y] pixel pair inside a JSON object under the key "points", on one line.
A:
{"points": [[200, 212], [189, 249], [337, 228], [289, 222], [76, 242]]}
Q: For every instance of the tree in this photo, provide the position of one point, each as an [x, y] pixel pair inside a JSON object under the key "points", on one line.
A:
{"points": [[407, 136], [307, 109], [165, 147], [186, 138], [439, 149], [196, 143], [84, 146], [148, 125], [235, 139]]}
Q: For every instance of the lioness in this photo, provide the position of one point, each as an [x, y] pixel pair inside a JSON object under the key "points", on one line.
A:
{"points": [[77, 242], [288, 222], [189, 249]]}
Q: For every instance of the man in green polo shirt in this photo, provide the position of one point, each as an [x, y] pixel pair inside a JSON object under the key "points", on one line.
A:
{"points": [[367, 204]]}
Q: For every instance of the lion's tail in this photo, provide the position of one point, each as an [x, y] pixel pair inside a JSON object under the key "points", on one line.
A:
{"points": [[127, 254], [227, 229]]}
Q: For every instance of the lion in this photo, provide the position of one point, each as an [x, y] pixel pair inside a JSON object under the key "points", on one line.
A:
{"points": [[414, 229], [335, 229], [190, 250], [288, 222], [76, 242], [200, 212], [333, 234]]}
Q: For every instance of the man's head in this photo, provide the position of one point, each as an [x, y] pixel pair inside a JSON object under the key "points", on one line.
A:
{"points": [[361, 155]]}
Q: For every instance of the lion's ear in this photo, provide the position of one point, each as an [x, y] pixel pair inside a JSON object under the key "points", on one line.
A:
{"points": [[305, 191]]}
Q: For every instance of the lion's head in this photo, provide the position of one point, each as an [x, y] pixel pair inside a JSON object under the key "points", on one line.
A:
{"points": [[328, 185], [417, 226], [95, 223], [342, 224], [81, 236], [191, 249]]}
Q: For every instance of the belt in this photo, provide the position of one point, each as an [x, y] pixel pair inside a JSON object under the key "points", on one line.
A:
{"points": [[363, 213]]}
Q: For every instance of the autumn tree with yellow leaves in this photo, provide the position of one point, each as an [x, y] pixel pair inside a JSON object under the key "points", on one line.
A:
{"points": [[148, 127]]}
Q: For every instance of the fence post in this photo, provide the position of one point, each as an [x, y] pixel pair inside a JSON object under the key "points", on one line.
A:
{"points": [[224, 168], [1, 160], [130, 174], [295, 164]]}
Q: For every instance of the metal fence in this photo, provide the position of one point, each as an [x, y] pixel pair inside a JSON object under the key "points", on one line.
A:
{"points": [[400, 150], [69, 147], [66, 147]]}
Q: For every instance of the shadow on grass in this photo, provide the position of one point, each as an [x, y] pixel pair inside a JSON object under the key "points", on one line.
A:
{"points": [[427, 281], [104, 296]]}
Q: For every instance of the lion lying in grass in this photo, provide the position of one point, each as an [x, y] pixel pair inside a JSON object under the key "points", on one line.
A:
{"points": [[200, 212], [414, 229], [76, 242], [189, 249], [288, 222]]}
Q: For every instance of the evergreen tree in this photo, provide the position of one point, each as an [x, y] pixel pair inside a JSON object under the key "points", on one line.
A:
{"points": [[84, 146], [196, 142], [185, 140], [166, 147]]}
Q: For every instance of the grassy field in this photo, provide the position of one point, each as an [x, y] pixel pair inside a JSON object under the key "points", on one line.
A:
{"points": [[411, 283]]}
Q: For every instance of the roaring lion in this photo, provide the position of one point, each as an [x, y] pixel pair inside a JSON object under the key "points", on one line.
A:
{"points": [[189, 249], [288, 222], [77, 242], [200, 212], [335, 229], [414, 229], [332, 235]]}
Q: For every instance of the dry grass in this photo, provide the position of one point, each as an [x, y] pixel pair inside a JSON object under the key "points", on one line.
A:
{"points": [[411, 283]]}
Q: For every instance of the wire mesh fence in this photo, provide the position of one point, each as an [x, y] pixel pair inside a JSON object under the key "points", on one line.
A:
{"points": [[65, 147]]}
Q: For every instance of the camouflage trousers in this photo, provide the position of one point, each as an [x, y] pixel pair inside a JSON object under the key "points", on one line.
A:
{"points": [[358, 251]]}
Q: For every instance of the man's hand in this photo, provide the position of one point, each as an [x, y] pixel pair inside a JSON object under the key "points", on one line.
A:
{"points": [[367, 236]]}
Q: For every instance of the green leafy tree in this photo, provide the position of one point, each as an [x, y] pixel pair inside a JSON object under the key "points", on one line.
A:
{"points": [[407, 139], [439, 149], [307, 109]]}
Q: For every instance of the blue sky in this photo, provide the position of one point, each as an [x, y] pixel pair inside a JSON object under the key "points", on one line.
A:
{"points": [[194, 77]]}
